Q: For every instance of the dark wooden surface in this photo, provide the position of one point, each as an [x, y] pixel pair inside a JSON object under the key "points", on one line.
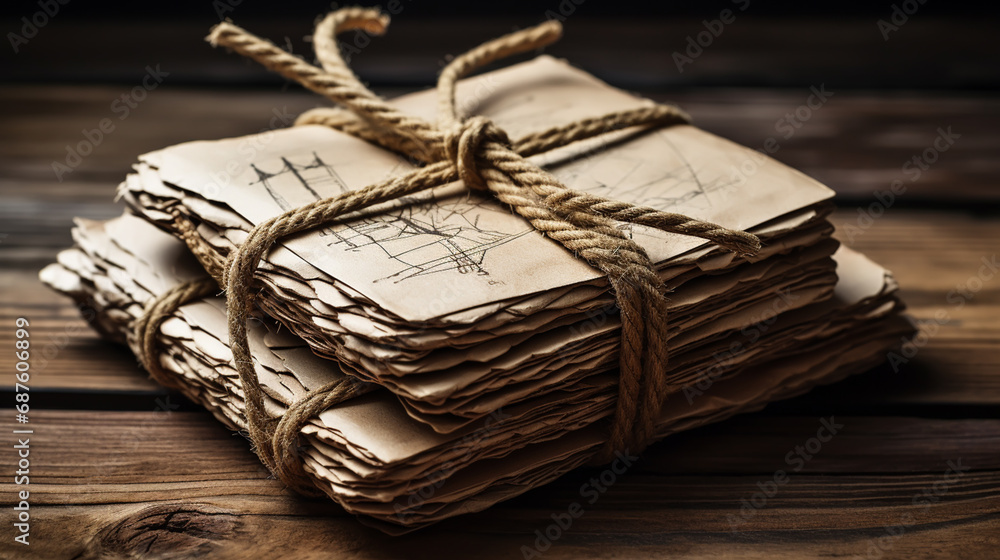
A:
{"points": [[122, 469]]}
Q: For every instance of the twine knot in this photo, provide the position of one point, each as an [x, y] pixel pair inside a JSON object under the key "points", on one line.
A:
{"points": [[478, 152], [463, 144]]}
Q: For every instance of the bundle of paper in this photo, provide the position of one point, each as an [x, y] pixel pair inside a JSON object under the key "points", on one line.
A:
{"points": [[494, 349], [372, 457], [454, 303]]}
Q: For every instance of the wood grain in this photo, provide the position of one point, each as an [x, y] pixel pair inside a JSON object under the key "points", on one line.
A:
{"points": [[856, 143], [777, 52], [176, 484]]}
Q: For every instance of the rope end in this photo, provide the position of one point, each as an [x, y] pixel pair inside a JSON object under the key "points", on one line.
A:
{"points": [[378, 25], [369, 20], [547, 33], [218, 30]]}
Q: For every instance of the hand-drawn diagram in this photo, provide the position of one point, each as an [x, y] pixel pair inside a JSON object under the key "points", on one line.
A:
{"points": [[310, 176], [651, 171], [664, 183], [423, 235], [428, 236]]}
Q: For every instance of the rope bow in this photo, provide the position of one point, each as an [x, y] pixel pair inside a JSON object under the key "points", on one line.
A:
{"points": [[476, 151]]}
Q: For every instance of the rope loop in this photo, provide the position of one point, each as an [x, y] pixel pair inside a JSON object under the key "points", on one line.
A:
{"points": [[464, 143]]}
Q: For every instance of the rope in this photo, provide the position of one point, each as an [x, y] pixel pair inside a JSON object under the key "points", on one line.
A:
{"points": [[478, 152], [158, 310]]}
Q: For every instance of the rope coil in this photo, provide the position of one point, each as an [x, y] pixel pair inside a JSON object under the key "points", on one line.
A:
{"points": [[476, 151]]}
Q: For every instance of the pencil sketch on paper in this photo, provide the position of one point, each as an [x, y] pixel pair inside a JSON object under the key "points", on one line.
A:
{"points": [[313, 176], [665, 184], [427, 237], [421, 235]]}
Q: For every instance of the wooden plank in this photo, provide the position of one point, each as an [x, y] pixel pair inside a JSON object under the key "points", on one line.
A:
{"points": [[860, 143], [109, 483], [944, 263], [66, 353], [637, 52], [857, 143]]}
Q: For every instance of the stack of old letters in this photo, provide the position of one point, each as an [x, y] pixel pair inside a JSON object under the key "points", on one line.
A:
{"points": [[495, 350]]}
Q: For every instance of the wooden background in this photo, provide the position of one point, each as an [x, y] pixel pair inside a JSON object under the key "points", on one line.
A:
{"points": [[121, 468]]}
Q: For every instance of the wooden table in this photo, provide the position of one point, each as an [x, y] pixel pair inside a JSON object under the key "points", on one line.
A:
{"points": [[122, 468]]}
